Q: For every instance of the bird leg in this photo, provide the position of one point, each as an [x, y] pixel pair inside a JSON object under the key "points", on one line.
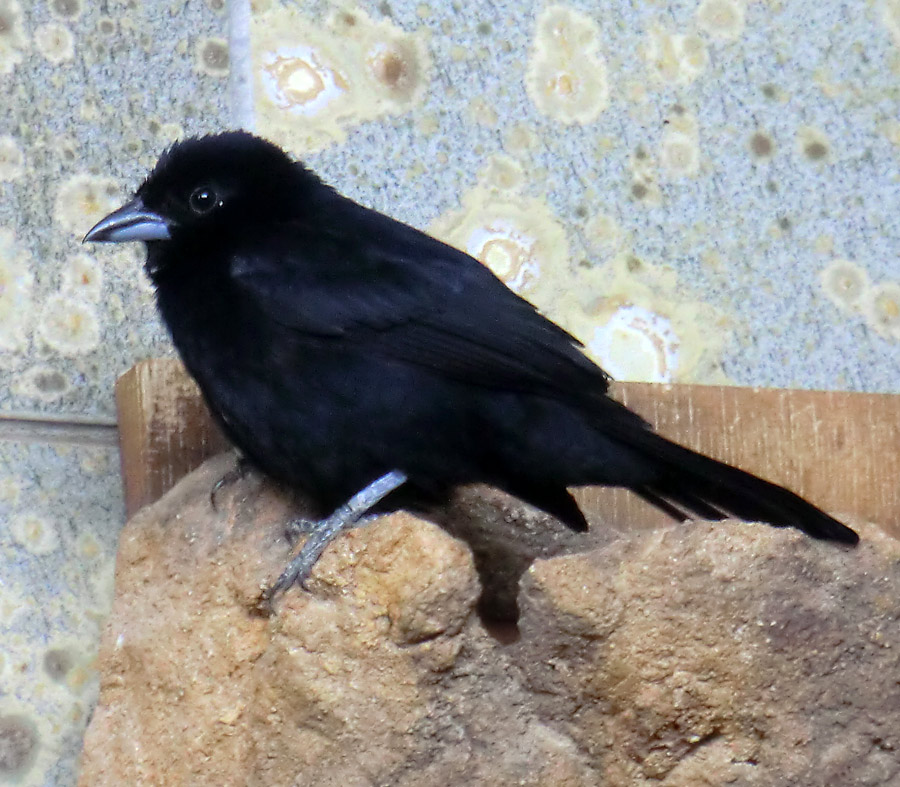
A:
{"points": [[322, 533]]}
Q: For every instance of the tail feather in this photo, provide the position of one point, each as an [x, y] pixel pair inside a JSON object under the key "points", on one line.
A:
{"points": [[711, 489]]}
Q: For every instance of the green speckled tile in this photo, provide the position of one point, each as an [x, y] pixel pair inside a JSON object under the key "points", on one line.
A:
{"points": [[61, 508], [92, 92], [702, 192]]}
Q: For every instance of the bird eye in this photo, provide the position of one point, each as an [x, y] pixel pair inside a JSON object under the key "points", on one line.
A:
{"points": [[203, 200]]}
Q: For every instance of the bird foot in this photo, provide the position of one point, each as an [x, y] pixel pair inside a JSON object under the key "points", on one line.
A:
{"points": [[321, 533], [237, 473]]}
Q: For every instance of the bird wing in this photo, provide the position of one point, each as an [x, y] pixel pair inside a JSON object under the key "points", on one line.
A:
{"points": [[363, 277]]}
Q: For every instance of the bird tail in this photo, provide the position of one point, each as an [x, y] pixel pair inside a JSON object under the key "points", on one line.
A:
{"points": [[686, 484]]}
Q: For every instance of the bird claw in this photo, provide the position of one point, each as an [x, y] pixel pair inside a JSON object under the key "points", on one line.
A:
{"points": [[320, 534], [300, 527], [237, 473]]}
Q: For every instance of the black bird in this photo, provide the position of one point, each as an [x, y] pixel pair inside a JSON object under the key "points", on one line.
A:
{"points": [[342, 350]]}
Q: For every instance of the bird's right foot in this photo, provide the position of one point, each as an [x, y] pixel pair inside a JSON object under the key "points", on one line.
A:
{"points": [[352, 514]]}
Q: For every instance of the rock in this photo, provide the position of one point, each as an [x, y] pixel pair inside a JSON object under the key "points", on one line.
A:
{"points": [[721, 653], [712, 654], [381, 675], [506, 536]]}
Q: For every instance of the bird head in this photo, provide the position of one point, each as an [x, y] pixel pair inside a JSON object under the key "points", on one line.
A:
{"points": [[203, 185]]}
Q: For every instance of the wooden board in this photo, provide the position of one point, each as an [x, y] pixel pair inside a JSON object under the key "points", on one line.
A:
{"points": [[165, 430], [840, 450]]}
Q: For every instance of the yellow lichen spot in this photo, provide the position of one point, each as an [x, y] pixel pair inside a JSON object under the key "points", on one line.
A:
{"points": [[12, 603], [506, 250], [70, 326], [890, 15], [395, 67], [171, 131], [721, 18], [636, 344], [41, 382], [639, 321], [515, 236], [636, 92], [679, 154], [88, 547], [314, 82], [12, 160], [83, 200], [881, 309], [823, 80], [679, 151], [415, 171], [82, 277], [211, 57], [567, 74], [15, 293], [89, 109], [605, 145], [520, 138], [675, 59], [55, 42], [95, 463], [458, 53], [813, 145], [302, 81], [844, 284], [482, 112], [824, 244], [79, 677], [502, 174], [13, 39], [428, 124], [890, 130], [10, 490], [604, 232], [36, 534]]}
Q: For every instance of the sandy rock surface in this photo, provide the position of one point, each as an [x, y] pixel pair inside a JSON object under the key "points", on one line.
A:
{"points": [[704, 654]]}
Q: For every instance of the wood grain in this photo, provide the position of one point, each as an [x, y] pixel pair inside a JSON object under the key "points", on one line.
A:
{"points": [[840, 450], [165, 430]]}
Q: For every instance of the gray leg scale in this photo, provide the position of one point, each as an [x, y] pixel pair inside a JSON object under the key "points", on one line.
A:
{"points": [[322, 533]]}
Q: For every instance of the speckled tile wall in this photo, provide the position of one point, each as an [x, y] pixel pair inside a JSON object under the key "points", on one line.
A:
{"points": [[699, 191], [702, 191], [91, 93]]}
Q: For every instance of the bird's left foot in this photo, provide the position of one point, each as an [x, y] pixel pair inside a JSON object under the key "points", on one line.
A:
{"points": [[237, 473], [352, 514]]}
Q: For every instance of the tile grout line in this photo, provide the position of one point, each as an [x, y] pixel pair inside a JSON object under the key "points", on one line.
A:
{"points": [[40, 428], [240, 82]]}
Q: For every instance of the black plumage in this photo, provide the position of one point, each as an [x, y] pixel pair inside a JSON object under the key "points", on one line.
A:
{"points": [[336, 344]]}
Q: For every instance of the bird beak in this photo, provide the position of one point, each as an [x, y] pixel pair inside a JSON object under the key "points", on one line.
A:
{"points": [[130, 222]]}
